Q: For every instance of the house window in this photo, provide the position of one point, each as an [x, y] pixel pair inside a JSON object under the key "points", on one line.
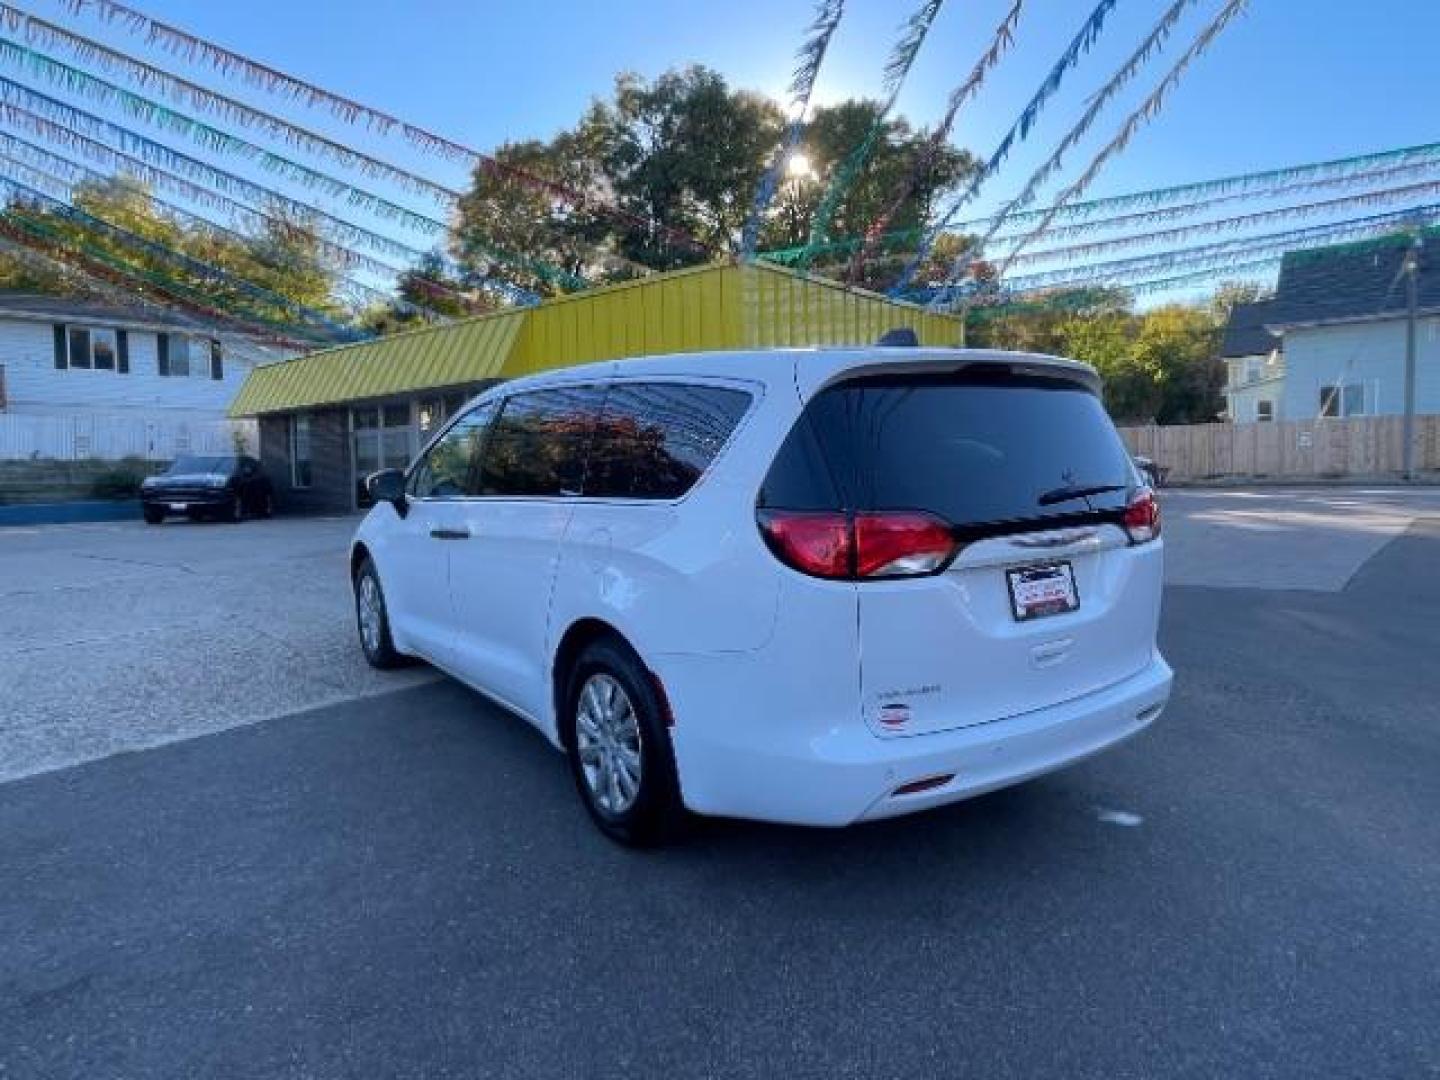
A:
{"points": [[1253, 368], [1353, 400], [179, 356], [91, 349], [1264, 410], [300, 451], [102, 349], [79, 347], [1329, 401]]}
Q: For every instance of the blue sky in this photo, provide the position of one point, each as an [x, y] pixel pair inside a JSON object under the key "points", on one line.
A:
{"points": [[1289, 82]]}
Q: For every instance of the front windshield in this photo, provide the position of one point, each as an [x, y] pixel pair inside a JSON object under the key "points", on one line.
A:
{"points": [[215, 464]]}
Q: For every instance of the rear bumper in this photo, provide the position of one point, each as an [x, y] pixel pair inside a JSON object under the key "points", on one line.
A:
{"points": [[845, 774]]}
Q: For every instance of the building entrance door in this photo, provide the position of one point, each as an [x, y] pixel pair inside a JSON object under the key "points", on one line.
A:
{"points": [[384, 439]]}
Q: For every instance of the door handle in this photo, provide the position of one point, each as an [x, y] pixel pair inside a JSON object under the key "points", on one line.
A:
{"points": [[450, 534]]}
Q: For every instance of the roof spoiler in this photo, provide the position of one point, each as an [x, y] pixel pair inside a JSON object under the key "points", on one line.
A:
{"points": [[900, 337]]}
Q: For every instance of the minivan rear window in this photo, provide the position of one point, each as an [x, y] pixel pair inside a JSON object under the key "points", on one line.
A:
{"points": [[974, 449]]}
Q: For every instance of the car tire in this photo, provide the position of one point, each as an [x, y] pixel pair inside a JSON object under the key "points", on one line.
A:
{"points": [[267, 504], [235, 509], [372, 620], [614, 720], [153, 515]]}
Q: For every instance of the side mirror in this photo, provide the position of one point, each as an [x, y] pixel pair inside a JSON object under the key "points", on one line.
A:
{"points": [[388, 485]]}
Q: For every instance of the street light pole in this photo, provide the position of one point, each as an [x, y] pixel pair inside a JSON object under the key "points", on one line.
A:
{"points": [[1412, 288]]}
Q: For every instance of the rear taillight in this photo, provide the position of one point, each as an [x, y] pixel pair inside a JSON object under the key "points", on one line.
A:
{"points": [[859, 546], [1142, 517], [815, 544], [900, 545]]}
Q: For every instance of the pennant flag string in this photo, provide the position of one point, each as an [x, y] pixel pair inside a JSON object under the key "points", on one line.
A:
{"points": [[49, 35], [1148, 109], [196, 266], [897, 68], [216, 200], [64, 189], [304, 338], [1366, 199], [925, 160], [211, 138], [1153, 42], [1184, 210], [74, 122], [228, 62], [1170, 202], [89, 283], [802, 85], [1310, 236], [1088, 34], [102, 153]]}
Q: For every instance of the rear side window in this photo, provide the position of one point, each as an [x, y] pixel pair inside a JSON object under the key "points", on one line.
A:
{"points": [[537, 444], [654, 440], [974, 449]]}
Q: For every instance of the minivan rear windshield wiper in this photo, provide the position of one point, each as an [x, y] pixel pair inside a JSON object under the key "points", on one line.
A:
{"points": [[1065, 494]]}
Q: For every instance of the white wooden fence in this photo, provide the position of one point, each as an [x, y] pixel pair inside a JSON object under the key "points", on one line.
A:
{"points": [[107, 438], [1362, 447]]}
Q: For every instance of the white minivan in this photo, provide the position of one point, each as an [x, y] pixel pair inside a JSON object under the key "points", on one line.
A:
{"points": [[816, 586]]}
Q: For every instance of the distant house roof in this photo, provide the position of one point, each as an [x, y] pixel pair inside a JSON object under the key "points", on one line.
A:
{"points": [[44, 308], [1245, 333], [1352, 283]]}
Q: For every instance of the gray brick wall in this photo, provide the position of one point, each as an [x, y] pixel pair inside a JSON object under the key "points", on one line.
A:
{"points": [[332, 487]]}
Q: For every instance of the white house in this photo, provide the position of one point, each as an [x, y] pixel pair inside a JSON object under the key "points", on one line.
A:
{"points": [[1331, 343], [84, 380]]}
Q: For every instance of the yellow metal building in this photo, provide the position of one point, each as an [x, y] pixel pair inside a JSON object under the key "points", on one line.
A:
{"points": [[329, 418]]}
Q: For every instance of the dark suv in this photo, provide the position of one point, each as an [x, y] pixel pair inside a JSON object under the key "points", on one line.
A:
{"points": [[226, 486]]}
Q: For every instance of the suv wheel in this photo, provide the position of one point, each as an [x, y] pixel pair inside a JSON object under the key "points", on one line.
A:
{"points": [[235, 509], [154, 515], [373, 621], [619, 748]]}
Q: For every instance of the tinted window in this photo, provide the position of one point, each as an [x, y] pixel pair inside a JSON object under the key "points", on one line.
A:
{"points": [[221, 465], [449, 469], [654, 440], [537, 445], [973, 450]]}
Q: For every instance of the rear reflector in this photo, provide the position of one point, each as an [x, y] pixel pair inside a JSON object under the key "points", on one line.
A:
{"points": [[928, 784], [1142, 517], [845, 547]]}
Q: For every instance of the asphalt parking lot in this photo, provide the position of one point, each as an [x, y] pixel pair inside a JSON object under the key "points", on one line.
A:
{"points": [[350, 875]]}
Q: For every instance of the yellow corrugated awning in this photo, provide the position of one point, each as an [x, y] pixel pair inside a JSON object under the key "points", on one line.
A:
{"points": [[456, 354], [721, 306]]}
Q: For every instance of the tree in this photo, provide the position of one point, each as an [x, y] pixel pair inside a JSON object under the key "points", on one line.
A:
{"points": [[1159, 366], [663, 174], [117, 229], [830, 139]]}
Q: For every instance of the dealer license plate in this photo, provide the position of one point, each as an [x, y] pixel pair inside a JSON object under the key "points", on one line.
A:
{"points": [[1037, 591], [180, 507]]}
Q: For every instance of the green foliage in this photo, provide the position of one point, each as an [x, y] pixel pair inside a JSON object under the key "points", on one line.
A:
{"points": [[681, 157], [1159, 366], [121, 480], [285, 258]]}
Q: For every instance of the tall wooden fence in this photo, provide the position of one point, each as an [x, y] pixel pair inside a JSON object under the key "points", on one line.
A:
{"points": [[1365, 447]]}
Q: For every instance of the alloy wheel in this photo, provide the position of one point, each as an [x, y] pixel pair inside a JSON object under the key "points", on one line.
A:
{"points": [[607, 738], [370, 609]]}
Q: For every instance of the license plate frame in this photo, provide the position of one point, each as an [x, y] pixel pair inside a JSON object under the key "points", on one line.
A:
{"points": [[1042, 590]]}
